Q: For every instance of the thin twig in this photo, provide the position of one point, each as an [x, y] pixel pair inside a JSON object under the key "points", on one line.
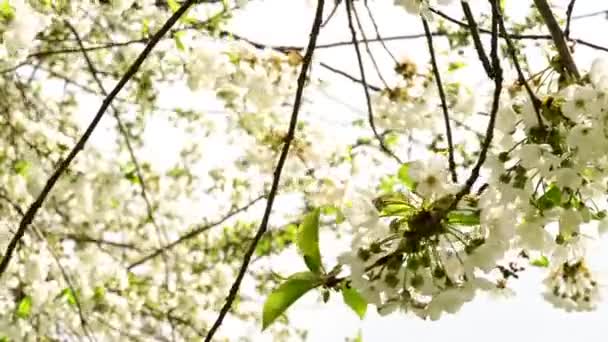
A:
{"points": [[372, 58], [444, 104], [50, 183], [558, 38], [493, 113], [474, 30], [378, 36], [569, 11], [589, 15], [515, 36], [301, 83], [370, 111], [193, 233], [332, 13], [536, 102], [349, 76]]}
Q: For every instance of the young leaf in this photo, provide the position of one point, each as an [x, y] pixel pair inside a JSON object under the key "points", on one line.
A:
{"points": [[465, 218], [404, 176], [308, 241], [24, 308], [286, 294], [354, 300], [543, 261], [550, 199]]}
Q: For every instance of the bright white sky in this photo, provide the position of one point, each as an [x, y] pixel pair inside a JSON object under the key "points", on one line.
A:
{"points": [[525, 317]]}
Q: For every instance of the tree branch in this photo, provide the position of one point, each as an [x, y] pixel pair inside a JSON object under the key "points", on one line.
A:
{"points": [[494, 111], [558, 38], [306, 62], [474, 30], [569, 11], [444, 105], [536, 103], [193, 233], [370, 110]]}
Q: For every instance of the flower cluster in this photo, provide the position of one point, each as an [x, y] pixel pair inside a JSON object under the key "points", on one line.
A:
{"points": [[418, 250], [419, 6]]}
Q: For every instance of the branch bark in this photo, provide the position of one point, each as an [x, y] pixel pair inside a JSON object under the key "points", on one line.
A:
{"points": [[558, 38], [306, 62]]}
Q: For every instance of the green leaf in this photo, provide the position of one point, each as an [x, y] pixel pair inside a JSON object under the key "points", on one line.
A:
{"points": [[550, 199], [404, 176], [173, 5], [456, 65], [21, 167], [178, 40], [6, 10], [69, 296], [354, 300], [465, 218], [24, 308], [308, 241], [286, 294], [359, 337], [543, 261], [145, 27]]}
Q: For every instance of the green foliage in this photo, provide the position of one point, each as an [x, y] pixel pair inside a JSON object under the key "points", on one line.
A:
{"points": [[276, 241], [550, 199], [404, 176], [354, 300], [308, 241], [543, 261], [173, 5], [286, 294], [6, 11], [177, 37], [21, 167], [69, 296], [464, 217], [24, 308]]}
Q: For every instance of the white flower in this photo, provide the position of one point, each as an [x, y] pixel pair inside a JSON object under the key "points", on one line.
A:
{"points": [[412, 6], [567, 178], [119, 6], [534, 156], [589, 141], [506, 119], [23, 27], [207, 66], [431, 177], [577, 101], [599, 73], [569, 222], [571, 286], [359, 209], [450, 301]]}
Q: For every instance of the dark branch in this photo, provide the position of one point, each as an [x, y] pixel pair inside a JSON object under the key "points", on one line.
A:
{"points": [[569, 11], [306, 62], [494, 111], [558, 38], [474, 30], [370, 110], [444, 105], [536, 103]]}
